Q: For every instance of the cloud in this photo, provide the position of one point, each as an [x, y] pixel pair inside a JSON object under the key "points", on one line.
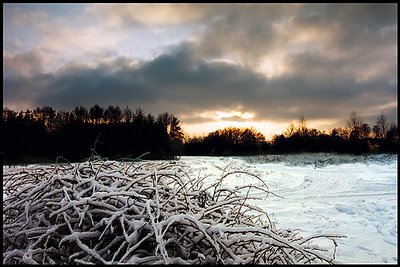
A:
{"points": [[19, 16], [154, 15], [24, 65], [24, 80], [273, 61], [255, 34], [181, 82]]}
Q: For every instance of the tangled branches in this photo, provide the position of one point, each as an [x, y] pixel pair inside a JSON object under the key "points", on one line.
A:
{"points": [[108, 212]]}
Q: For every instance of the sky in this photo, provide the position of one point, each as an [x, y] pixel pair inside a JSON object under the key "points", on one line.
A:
{"points": [[211, 65]]}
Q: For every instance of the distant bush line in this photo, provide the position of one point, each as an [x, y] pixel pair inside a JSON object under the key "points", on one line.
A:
{"points": [[43, 134]]}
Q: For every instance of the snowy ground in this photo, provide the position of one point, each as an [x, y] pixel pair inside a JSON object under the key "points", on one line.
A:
{"points": [[321, 193], [325, 193]]}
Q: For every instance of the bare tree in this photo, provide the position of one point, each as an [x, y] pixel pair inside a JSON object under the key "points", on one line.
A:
{"points": [[302, 127], [383, 126], [354, 124], [355, 121], [291, 130]]}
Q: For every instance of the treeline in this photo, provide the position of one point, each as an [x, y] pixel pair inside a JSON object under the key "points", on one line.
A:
{"points": [[357, 137], [42, 134], [228, 141]]}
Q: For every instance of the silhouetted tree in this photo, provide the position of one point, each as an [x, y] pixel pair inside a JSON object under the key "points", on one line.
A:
{"points": [[302, 126], [172, 125], [290, 131], [96, 114], [354, 124], [381, 126], [393, 132], [377, 131], [340, 133], [127, 115], [48, 115], [365, 130], [354, 121], [81, 115], [108, 114], [391, 142], [149, 119], [139, 116], [45, 114], [250, 135], [227, 141], [9, 115], [313, 132], [113, 114], [43, 134], [28, 115]]}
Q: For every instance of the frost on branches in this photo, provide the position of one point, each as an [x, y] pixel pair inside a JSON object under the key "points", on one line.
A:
{"points": [[108, 212]]}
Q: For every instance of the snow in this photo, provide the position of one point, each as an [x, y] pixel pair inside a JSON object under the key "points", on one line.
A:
{"points": [[323, 193], [313, 194]]}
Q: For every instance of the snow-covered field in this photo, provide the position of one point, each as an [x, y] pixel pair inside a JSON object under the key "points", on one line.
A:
{"points": [[325, 193], [355, 196]]}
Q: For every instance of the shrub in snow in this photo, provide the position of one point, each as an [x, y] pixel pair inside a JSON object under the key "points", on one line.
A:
{"points": [[108, 212]]}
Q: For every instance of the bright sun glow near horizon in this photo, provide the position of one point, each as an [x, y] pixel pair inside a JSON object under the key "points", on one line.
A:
{"points": [[267, 128]]}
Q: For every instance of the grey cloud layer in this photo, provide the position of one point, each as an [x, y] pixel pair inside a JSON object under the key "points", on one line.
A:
{"points": [[183, 84], [338, 58]]}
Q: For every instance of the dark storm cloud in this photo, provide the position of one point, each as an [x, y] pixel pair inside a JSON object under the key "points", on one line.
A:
{"points": [[182, 83], [336, 58], [176, 81]]}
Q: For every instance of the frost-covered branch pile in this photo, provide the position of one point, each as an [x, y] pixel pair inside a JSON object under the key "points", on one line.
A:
{"points": [[108, 212]]}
